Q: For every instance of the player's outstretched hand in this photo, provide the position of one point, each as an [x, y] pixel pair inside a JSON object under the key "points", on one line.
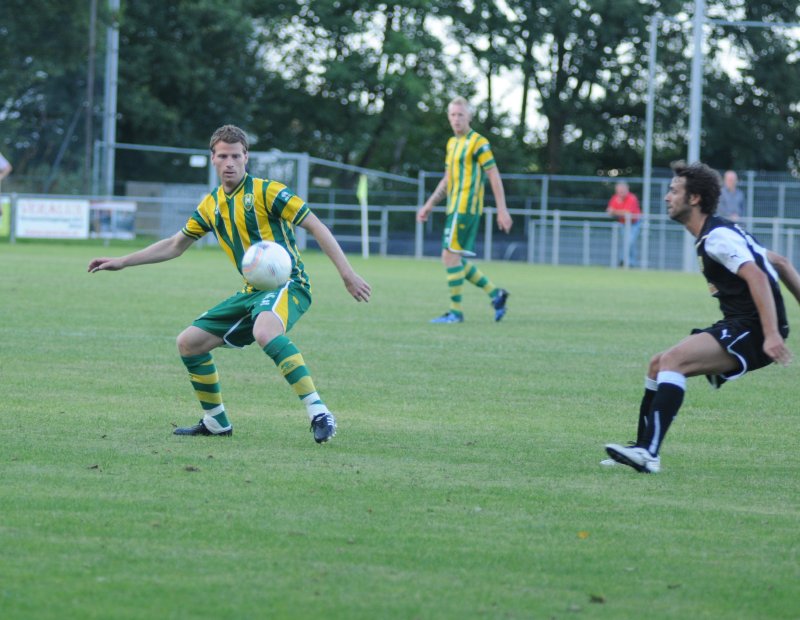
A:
{"points": [[358, 287], [777, 350], [504, 221], [104, 264]]}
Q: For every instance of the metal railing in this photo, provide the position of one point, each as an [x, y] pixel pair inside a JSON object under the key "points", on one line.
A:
{"points": [[544, 236]]}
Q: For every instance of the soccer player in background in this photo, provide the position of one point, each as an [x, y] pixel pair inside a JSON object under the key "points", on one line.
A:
{"points": [[241, 211], [743, 276], [468, 162]]}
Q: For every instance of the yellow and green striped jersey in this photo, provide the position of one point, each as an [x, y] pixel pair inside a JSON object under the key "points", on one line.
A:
{"points": [[467, 160], [257, 210]]}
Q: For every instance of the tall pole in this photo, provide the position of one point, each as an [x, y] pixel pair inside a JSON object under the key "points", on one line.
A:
{"points": [[695, 115], [648, 136], [88, 134], [696, 104], [110, 103]]}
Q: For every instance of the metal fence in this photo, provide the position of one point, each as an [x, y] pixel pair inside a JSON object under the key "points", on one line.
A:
{"points": [[557, 237], [544, 236], [559, 219], [766, 194]]}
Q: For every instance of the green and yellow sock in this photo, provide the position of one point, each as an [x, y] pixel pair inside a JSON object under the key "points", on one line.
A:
{"points": [[290, 362], [477, 277], [205, 381], [455, 284]]}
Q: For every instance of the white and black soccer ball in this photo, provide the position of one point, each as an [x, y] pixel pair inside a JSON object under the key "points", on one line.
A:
{"points": [[266, 265]]}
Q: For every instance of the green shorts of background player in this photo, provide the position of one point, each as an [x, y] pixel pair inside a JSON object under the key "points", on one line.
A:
{"points": [[241, 211]]}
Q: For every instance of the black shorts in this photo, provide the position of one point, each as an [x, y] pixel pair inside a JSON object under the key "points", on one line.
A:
{"points": [[742, 339]]}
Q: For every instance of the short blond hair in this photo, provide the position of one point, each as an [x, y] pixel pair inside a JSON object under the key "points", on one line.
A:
{"points": [[462, 102], [230, 134]]}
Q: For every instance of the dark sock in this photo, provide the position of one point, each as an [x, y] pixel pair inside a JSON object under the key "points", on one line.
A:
{"points": [[650, 387], [668, 400]]}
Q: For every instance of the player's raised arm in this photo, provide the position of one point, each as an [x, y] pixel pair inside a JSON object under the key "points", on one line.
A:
{"points": [[787, 273], [355, 285], [158, 252]]}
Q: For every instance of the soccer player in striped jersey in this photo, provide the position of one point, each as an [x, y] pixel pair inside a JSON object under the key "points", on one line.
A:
{"points": [[744, 277], [468, 163], [241, 211]]}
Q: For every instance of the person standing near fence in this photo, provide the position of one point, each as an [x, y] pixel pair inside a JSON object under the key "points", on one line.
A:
{"points": [[624, 205], [744, 277], [240, 212], [731, 198], [5, 170], [5, 167], [469, 162]]}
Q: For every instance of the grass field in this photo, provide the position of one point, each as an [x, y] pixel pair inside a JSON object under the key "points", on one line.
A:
{"points": [[464, 480]]}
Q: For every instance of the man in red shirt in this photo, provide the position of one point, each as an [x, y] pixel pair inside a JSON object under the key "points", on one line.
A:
{"points": [[622, 203]]}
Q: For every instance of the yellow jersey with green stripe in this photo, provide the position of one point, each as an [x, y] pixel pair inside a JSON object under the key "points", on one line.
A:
{"points": [[257, 210], [467, 160]]}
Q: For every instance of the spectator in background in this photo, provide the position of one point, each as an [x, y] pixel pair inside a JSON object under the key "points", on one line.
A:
{"points": [[622, 205], [5, 167], [5, 170], [731, 200]]}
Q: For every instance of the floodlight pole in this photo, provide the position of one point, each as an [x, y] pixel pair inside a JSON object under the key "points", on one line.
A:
{"points": [[695, 115], [110, 98], [88, 128], [648, 139], [696, 93]]}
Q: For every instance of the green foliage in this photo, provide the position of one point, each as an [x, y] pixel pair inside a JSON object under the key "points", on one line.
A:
{"points": [[370, 81], [586, 63], [206, 75], [749, 121], [43, 84], [755, 121], [463, 483], [366, 82]]}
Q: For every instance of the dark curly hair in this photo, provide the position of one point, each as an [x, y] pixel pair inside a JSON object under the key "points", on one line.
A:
{"points": [[701, 180], [230, 134]]}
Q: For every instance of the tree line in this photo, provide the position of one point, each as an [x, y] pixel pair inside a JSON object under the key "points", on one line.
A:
{"points": [[366, 82]]}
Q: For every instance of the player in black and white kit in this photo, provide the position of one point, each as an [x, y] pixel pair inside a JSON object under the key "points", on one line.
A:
{"points": [[743, 276]]}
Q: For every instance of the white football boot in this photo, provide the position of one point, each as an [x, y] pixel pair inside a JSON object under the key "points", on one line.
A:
{"points": [[632, 456]]}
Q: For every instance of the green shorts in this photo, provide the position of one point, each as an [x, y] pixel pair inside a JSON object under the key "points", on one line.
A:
{"points": [[233, 319], [460, 232]]}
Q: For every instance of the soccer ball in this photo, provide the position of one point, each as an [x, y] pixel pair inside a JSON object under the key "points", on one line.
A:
{"points": [[266, 265]]}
